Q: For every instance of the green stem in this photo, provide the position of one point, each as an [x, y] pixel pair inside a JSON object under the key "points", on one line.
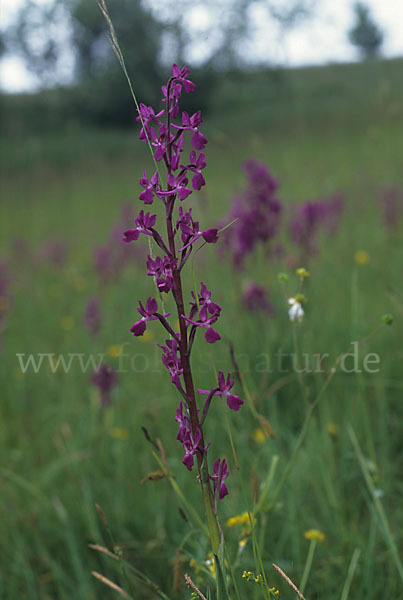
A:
{"points": [[386, 530], [350, 574], [308, 565], [302, 385]]}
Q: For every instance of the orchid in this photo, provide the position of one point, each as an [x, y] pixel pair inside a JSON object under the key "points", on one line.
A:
{"points": [[166, 138]]}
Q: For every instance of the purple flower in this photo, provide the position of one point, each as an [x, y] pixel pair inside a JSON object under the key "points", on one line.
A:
{"points": [[162, 270], [391, 205], [150, 119], [190, 231], [211, 334], [145, 223], [149, 313], [182, 76], [92, 316], [208, 314], [255, 298], [159, 141], [234, 402], [191, 444], [105, 378], [199, 141], [192, 234], [55, 251], [307, 218], [196, 166], [257, 212], [167, 139], [220, 470], [151, 187], [204, 304], [172, 361], [184, 423]]}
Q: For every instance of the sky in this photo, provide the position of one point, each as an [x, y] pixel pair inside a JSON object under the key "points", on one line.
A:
{"points": [[320, 39]]}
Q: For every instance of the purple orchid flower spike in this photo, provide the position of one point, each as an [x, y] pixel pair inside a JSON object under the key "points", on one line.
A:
{"points": [[105, 378], [149, 313], [257, 212], [255, 298], [92, 316], [167, 133]]}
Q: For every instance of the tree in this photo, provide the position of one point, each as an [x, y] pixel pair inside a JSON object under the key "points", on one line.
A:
{"points": [[66, 41], [365, 34]]}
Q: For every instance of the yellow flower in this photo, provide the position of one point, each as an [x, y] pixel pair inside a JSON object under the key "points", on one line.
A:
{"points": [[114, 351], [119, 433], [242, 519], [259, 436], [314, 534], [332, 429], [302, 273], [242, 543], [67, 323], [194, 565], [361, 257], [211, 565], [147, 336]]}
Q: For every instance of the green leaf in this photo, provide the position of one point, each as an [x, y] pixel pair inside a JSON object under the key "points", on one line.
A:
{"points": [[222, 592]]}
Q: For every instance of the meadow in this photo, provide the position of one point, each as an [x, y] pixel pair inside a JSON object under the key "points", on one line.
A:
{"points": [[66, 198]]}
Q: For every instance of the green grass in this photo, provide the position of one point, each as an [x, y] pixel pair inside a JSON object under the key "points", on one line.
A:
{"points": [[61, 454]]}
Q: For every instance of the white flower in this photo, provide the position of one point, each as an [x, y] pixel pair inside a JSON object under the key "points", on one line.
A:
{"points": [[296, 311]]}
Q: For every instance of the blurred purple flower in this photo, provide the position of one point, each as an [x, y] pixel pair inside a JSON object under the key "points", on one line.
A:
{"points": [[111, 258], [255, 298], [92, 316], [5, 298], [258, 213], [391, 206], [55, 251], [105, 378], [307, 218]]}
